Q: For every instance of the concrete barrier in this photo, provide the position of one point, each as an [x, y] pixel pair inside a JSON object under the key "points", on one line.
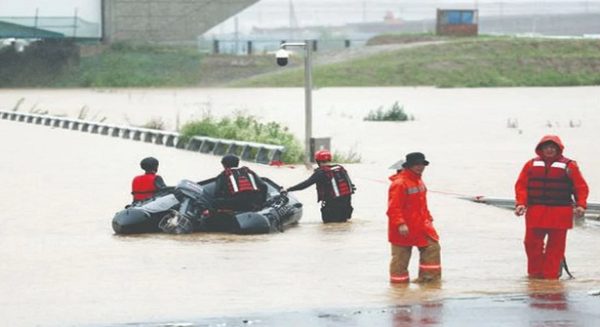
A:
{"points": [[249, 151]]}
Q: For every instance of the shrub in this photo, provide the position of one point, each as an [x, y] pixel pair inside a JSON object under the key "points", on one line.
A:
{"points": [[246, 128], [155, 123], [394, 113], [351, 156]]}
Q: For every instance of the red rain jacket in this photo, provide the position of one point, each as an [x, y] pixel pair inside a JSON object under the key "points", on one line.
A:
{"points": [[550, 216], [407, 204]]}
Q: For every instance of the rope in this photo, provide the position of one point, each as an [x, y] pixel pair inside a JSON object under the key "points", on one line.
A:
{"points": [[432, 191]]}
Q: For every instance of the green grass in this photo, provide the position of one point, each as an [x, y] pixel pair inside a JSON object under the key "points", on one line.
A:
{"points": [[483, 62], [403, 38], [350, 156], [223, 69], [464, 62], [128, 65], [136, 66]]}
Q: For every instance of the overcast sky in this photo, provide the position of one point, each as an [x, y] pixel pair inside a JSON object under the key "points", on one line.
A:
{"points": [[86, 9], [90, 9]]}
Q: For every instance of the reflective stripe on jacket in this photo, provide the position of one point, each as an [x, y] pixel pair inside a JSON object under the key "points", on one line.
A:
{"points": [[337, 184], [240, 180], [544, 215], [549, 184], [143, 187], [407, 204]]}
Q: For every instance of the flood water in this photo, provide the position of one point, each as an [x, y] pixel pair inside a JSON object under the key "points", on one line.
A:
{"points": [[62, 265]]}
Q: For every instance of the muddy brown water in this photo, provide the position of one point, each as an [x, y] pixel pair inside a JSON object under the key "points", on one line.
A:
{"points": [[62, 264]]}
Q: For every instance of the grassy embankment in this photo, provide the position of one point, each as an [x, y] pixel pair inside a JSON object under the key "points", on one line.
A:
{"points": [[124, 65], [479, 62], [135, 66], [465, 62]]}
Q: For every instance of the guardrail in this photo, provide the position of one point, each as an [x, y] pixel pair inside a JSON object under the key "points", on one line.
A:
{"points": [[592, 210], [249, 151]]}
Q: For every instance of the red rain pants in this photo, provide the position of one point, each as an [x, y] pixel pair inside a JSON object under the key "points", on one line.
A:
{"points": [[543, 260]]}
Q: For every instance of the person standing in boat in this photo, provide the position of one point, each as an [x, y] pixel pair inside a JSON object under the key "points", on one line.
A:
{"points": [[550, 190], [410, 223], [145, 186], [238, 189], [334, 188]]}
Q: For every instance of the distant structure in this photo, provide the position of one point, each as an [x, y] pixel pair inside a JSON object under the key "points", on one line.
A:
{"points": [[54, 27], [160, 21], [138, 21], [457, 22], [12, 30]]}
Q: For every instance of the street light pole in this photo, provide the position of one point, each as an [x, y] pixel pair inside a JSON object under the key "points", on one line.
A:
{"points": [[307, 95], [307, 101]]}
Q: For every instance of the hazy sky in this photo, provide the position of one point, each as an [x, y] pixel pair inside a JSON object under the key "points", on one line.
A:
{"points": [[86, 9], [276, 13], [90, 9]]}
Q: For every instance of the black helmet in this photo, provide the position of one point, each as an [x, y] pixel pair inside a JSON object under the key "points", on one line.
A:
{"points": [[230, 161], [149, 164]]}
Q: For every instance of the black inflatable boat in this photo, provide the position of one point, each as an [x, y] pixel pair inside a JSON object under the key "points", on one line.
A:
{"points": [[187, 208]]}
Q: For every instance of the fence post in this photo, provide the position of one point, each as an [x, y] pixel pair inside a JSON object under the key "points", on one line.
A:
{"points": [[215, 46], [249, 47]]}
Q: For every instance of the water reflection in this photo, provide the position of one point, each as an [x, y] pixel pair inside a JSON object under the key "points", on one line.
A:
{"points": [[424, 310], [426, 314], [192, 239], [544, 303], [547, 295], [338, 228], [408, 293]]}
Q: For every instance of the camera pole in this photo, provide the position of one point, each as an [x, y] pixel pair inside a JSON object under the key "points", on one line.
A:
{"points": [[307, 96]]}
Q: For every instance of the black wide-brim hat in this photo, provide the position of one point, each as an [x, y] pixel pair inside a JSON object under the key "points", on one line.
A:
{"points": [[415, 158], [398, 165]]}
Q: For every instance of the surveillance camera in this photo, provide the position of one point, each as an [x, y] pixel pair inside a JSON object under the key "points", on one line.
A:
{"points": [[282, 57]]}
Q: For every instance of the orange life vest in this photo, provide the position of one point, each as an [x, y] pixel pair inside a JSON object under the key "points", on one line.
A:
{"points": [[338, 183], [549, 185], [143, 187], [240, 180]]}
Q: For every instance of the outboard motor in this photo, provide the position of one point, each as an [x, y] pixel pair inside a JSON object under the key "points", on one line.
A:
{"points": [[192, 202], [173, 213]]}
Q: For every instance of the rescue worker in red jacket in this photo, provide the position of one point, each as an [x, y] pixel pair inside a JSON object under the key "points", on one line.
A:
{"points": [[238, 189], [145, 186], [410, 223], [544, 193], [334, 188]]}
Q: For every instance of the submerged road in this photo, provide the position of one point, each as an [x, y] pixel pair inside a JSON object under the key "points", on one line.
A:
{"points": [[63, 266]]}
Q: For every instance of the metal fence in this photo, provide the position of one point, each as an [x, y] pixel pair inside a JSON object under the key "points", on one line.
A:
{"points": [[262, 46]]}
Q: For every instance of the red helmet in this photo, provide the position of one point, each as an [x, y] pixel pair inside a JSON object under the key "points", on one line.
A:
{"points": [[323, 155]]}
